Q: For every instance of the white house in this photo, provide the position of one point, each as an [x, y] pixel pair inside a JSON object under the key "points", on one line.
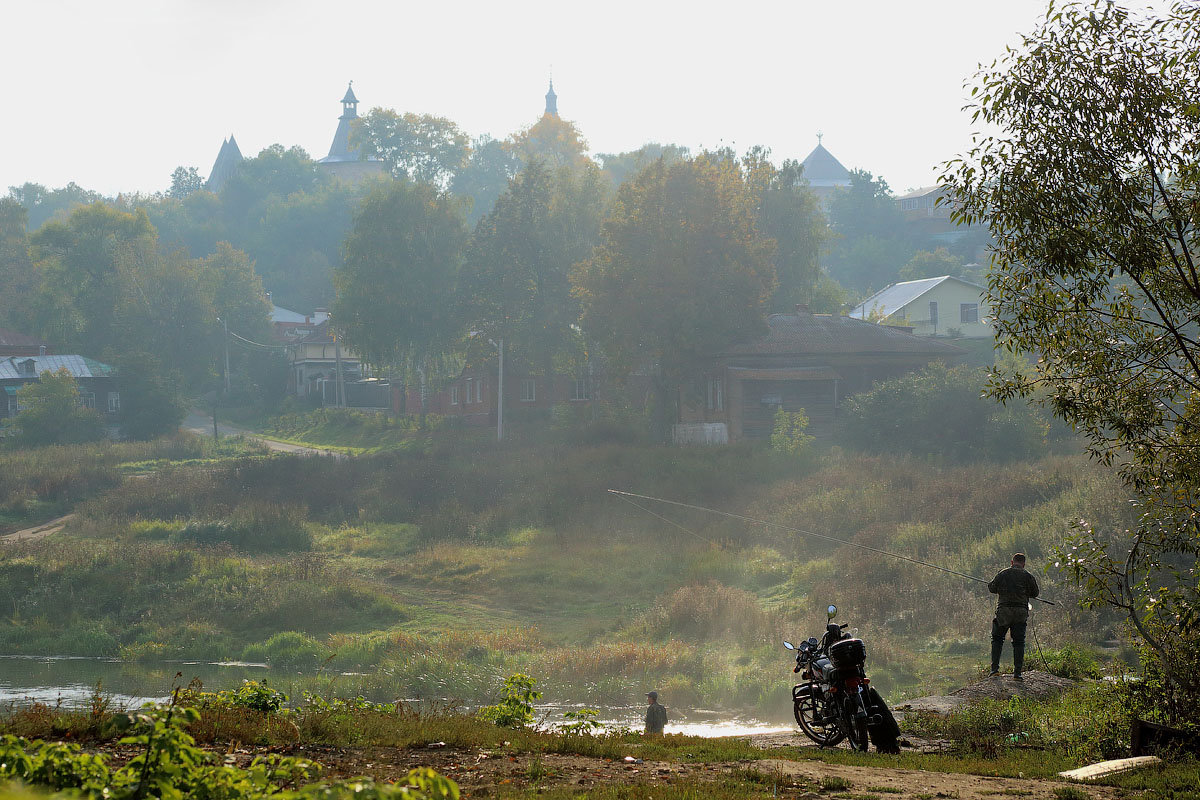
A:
{"points": [[944, 306]]}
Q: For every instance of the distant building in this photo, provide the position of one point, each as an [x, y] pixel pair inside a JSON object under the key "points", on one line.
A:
{"points": [[97, 383], [14, 343], [289, 326], [227, 161], [931, 307], [806, 361], [314, 359], [344, 160], [825, 174]]}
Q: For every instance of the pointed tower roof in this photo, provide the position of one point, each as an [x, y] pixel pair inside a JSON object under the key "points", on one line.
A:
{"points": [[228, 157], [822, 169], [551, 100], [340, 149]]}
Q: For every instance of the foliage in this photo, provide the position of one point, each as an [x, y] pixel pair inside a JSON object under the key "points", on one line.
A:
{"points": [[1090, 190], [551, 140], [580, 722], [184, 181], [788, 434], [930, 264], [419, 147], [1074, 662], [289, 649], [619, 167], [17, 279], [254, 695], [151, 405], [940, 412], [870, 237], [395, 299], [516, 283], [169, 764], [681, 271], [52, 412], [44, 205], [515, 709]]}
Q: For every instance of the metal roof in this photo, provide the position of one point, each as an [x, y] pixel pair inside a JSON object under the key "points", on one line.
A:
{"points": [[78, 366], [803, 333], [924, 190], [898, 295], [279, 314], [822, 169]]}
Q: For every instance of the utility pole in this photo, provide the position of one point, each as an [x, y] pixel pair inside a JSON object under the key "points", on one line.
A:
{"points": [[225, 322], [339, 390], [500, 396]]}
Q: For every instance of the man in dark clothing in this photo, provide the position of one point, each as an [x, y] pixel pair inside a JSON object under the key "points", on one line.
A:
{"points": [[1015, 586], [656, 715]]}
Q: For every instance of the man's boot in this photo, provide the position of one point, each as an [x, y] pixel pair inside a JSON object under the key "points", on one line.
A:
{"points": [[997, 647], [1018, 661]]}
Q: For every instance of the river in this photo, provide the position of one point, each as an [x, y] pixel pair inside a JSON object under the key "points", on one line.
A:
{"points": [[72, 682]]}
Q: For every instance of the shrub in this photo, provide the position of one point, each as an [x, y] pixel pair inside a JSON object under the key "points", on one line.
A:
{"points": [[289, 649], [1074, 662], [257, 528], [515, 709], [788, 435], [51, 413]]}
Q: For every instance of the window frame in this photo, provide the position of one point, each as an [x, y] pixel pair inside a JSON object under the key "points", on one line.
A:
{"points": [[114, 402], [528, 390], [579, 390], [454, 394], [964, 308]]}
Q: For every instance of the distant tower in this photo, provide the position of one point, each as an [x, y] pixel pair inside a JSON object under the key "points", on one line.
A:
{"points": [[552, 100], [825, 174], [344, 161], [228, 157]]}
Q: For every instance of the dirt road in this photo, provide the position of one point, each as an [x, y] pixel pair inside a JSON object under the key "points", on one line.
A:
{"points": [[201, 424], [37, 531]]}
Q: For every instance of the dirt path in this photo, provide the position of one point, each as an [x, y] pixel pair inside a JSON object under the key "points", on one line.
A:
{"points": [[480, 772], [37, 531], [201, 424]]}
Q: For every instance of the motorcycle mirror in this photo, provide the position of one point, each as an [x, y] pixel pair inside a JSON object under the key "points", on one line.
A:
{"points": [[788, 645], [831, 611]]}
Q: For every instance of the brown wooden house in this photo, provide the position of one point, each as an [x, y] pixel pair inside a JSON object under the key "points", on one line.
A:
{"points": [[806, 361]]}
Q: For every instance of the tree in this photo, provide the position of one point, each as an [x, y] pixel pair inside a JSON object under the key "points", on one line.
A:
{"points": [[870, 238], [18, 281], [395, 290], [422, 147], [485, 176], [1091, 189], [516, 281], [184, 181], [790, 214], [681, 271], [45, 204], [151, 405], [619, 167], [552, 140], [52, 413], [930, 264]]}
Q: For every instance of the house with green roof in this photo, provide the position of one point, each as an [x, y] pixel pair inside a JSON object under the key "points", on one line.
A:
{"points": [[98, 387]]}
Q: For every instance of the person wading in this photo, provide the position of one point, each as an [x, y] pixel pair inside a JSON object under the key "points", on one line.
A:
{"points": [[1015, 586], [656, 714]]}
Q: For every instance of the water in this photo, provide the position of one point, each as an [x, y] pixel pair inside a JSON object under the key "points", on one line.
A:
{"points": [[71, 682]]}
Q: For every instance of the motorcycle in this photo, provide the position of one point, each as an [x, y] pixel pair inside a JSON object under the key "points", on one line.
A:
{"points": [[837, 701]]}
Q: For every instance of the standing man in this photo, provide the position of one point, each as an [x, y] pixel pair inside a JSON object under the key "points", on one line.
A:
{"points": [[656, 715], [1015, 586]]}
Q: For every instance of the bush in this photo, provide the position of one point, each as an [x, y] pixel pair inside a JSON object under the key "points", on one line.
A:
{"points": [[51, 413], [515, 709], [788, 435], [289, 649], [1073, 662], [940, 412], [257, 528]]}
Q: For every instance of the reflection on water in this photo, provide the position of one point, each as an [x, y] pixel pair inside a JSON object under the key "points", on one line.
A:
{"points": [[71, 682]]}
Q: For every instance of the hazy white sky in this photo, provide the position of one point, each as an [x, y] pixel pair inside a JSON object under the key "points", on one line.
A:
{"points": [[114, 95]]}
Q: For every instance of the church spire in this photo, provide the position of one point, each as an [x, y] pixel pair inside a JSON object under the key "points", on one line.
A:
{"points": [[349, 103], [552, 99]]}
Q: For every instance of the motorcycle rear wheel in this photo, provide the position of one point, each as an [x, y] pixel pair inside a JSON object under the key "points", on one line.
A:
{"points": [[809, 717]]}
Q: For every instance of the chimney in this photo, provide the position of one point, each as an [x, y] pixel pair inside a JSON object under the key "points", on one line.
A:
{"points": [[801, 308], [41, 350]]}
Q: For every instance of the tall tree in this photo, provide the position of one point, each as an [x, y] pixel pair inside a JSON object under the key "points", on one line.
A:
{"points": [[184, 181], [516, 283], [619, 167], [871, 241], [18, 282], [1090, 185], [395, 290], [45, 204], [681, 271], [789, 213], [485, 176], [556, 142], [422, 147]]}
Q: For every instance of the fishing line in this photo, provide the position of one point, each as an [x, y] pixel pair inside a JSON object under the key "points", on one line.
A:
{"points": [[753, 521], [669, 521]]}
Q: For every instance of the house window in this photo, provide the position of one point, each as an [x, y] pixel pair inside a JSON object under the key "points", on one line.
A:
{"points": [[470, 389], [579, 389], [13, 406], [933, 313], [968, 312], [528, 390], [454, 395], [716, 394], [479, 390], [87, 400], [114, 402]]}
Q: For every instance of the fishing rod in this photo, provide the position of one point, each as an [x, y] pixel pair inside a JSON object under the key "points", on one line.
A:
{"points": [[628, 495]]}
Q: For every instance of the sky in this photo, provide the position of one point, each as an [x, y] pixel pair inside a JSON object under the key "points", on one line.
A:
{"points": [[114, 95]]}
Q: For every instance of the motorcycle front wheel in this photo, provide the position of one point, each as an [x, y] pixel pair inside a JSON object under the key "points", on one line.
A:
{"points": [[807, 708], [859, 734]]}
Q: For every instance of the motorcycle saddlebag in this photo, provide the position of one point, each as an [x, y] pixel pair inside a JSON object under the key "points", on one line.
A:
{"points": [[848, 653]]}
